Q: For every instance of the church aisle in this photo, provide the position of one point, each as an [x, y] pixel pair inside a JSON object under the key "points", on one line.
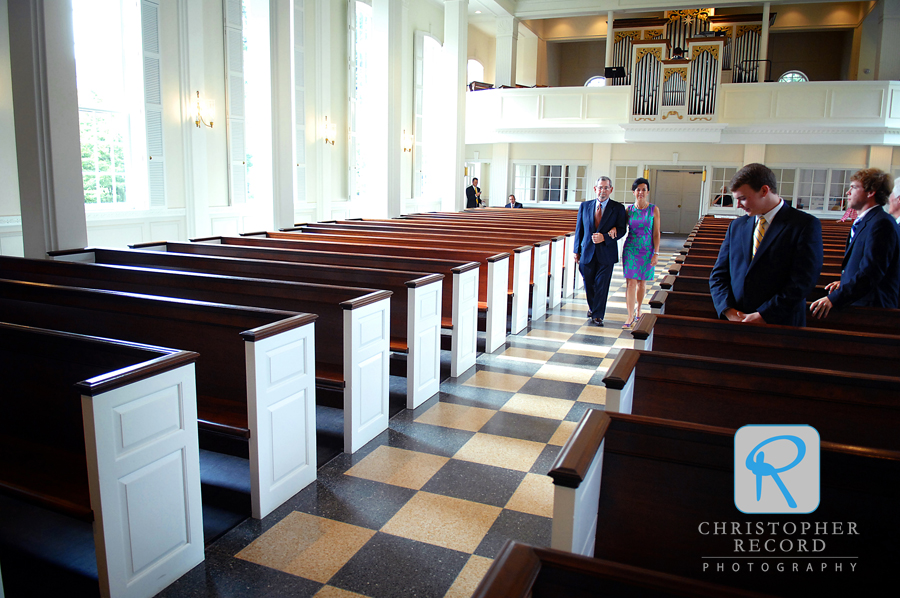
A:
{"points": [[424, 508]]}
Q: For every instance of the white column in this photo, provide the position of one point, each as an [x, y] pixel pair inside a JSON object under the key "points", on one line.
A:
{"points": [[281, 23], [48, 144], [500, 185], [386, 65], [887, 58], [456, 54], [609, 38], [764, 43], [507, 39], [323, 154]]}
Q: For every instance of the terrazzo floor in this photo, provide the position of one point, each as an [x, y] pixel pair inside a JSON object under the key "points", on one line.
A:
{"points": [[424, 508]]}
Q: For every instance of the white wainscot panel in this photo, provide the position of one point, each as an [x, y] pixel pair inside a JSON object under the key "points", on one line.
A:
{"points": [[12, 244], [228, 226], [165, 231], [608, 107], [304, 216], [806, 104], [563, 106], [340, 211], [747, 105], [520, 108], [118, 235], [894, 111], [857, 104]]}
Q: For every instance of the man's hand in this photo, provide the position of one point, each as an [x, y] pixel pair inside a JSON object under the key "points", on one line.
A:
{"points": [[597, 238], [577, 258], [821, 307], [612, 233], [753, 318], [734, 315], [832, 286]]}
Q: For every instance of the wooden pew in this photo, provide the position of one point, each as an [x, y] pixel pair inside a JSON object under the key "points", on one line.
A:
{"points": [[489, 291], [276, 263], [125, 456], [846, 407], [636, 490], [524, 271], [698, 284], [265, 289], [522, 571], [255, 376]]}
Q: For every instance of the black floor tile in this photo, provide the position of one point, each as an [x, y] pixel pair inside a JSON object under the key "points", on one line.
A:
{"points": [[475, 397], [510, 366], [221, 577], [352, 500], [597, 378], [483, 483], [393, 567], [590, 339], [552, 388], [578, 410], [556, 326], [585, 361], [513, 525], [425, 438], [545, 460], [523, 427]]}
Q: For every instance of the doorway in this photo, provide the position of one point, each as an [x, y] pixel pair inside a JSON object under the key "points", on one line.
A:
{"points": [[676, 191]]}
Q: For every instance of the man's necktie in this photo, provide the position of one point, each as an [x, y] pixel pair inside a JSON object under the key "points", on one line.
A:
{"points": [[598, 215], [854, 229], [758, 233]]}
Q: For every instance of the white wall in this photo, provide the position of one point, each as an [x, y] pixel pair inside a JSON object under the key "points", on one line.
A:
{"points": [[824, 155], [526, 57], [483, 48]]}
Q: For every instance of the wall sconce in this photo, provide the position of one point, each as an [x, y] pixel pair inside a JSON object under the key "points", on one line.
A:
{"points": [[329, 131], [206, 111], [408, 142]]}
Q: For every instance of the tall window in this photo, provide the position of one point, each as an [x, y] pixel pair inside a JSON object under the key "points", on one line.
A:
{"points": [[474, 71], [550, 182], [113, 138], [625, 176], [361, 135]]}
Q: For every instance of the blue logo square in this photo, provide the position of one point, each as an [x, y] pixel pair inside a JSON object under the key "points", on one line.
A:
{"points": [[776, 469]]}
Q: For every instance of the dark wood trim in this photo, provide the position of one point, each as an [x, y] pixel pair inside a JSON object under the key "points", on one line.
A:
{"points": [[465, 267], [638, 23], [542, 243], [254, 234], [204, 239], [223, 429], [522, 249], [559, 238], [621, 369], [674, 269], [572, 464], [498, 258], [59, 252], [675, 62], [703, 40], [366, 300], [420, 282], [745, 18], [658, 299], [512, 574], [143, 245], [298, 226], [261, 332], [569, 235], [647, 42], [644, 327], [667, 282], [140, 371]]}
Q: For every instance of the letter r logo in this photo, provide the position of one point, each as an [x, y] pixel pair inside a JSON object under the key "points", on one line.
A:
{"points": [[776, 469]]}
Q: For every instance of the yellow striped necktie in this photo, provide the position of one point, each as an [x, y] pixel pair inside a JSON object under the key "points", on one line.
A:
{"points": [[758, 233]]}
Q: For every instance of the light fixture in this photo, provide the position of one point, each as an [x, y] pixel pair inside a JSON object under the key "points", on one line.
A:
{"points": [[205, 111], [477, 12], [328, 131], [408, 141]]}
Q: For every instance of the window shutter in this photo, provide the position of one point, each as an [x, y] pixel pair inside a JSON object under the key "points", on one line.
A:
{"points": [[153, 103], [234, 65], [418, 129], [299, 102], [351, 150]]}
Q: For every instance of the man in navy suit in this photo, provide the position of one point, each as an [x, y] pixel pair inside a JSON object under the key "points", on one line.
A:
{"points": [[870, 272], [770, 259], [601, 222]]}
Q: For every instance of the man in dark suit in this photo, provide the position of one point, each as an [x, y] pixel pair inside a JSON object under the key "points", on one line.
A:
{"points": [[770, 258], [870, 272], [512, 203], [473, 195], [601, 223]]}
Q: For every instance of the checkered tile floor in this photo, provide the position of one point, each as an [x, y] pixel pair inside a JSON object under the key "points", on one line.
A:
{"points": [[424, 508]]}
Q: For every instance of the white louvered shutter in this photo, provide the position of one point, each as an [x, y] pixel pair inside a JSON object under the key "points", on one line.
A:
{"points": [[156, 174], [418, 129], [299, 102], [234, 65], [351, 54]]}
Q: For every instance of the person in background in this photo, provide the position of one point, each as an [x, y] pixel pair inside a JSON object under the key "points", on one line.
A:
{"points": [[641, 250], [894, 201], [677, 54], [473, 195], [512, 203], [870, 272]]}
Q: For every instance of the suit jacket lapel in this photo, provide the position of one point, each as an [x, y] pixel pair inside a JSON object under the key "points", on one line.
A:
{"points": [[606, 214], [859, 229], [775, 228]]}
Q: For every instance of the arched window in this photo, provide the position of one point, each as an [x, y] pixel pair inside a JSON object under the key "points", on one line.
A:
{"points": [[474, 71], [793, 77], [597, 81]]}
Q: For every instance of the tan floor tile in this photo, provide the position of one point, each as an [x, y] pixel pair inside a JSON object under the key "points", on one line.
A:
{"points": [[604, 365], [534, 495], [333, 592], [614, 331], [582, 349], [563, 432], [443, 521], [593, 394], [538, 406], [500, 451], [624, 343], [529, 355], [566, 319], [563, 373], [497, 381], [399, 467], [306, 545], [460, 417], [550, 335], [469, 578]]}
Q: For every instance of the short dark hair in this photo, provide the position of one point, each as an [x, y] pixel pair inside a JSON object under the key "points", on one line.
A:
{"points": [[875, 180], [475, 180], [755, 175], [638, 181]]}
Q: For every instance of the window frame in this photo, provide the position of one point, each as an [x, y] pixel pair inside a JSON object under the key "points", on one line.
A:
{"points": [[534, 193]]}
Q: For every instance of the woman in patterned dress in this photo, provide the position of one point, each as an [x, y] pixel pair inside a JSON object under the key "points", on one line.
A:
{"points": [[641, 250]]}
